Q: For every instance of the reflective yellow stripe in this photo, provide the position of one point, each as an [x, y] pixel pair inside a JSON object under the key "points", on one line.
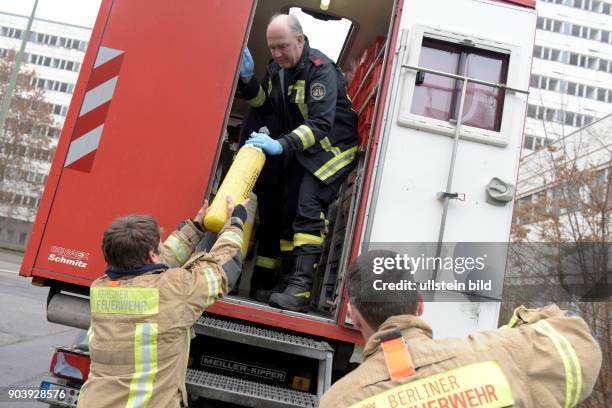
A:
{"points": [[311, 137], [336, 163], [212, 283], [286, 245], [514, 319], [178, 249], [188, 331], [325, 229], [90, 334], [300, 239], [188, 344], [299, 87], [325, 143], [233, 237], [259, 99], [300, 96], [145, 365], [573, 389], [265, 262], [306, 136], [482, 384], [303, 294], [122, 300], [269, 86]]}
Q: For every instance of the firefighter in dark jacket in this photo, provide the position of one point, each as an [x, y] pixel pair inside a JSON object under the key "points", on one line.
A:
{"points": [[313, 132]]}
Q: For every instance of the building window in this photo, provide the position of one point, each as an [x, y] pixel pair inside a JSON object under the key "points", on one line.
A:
{"points": [[528, 144], [438, 97], [601, 95], [532, 111], [23, 238]]}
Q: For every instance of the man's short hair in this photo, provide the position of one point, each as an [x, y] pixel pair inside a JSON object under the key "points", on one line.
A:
{"points": [[294, 23], [377, 306], [128, 240]]}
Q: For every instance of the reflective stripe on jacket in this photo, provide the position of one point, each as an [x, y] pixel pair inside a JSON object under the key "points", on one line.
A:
{"points": [[141, 325], [547, 358], [318, 121]]}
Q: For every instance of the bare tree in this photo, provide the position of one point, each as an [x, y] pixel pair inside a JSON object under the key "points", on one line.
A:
{"points": [[24, 143], [562, 236]]}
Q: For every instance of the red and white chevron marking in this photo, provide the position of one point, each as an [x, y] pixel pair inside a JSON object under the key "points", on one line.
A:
{"points": [[90, 123]]}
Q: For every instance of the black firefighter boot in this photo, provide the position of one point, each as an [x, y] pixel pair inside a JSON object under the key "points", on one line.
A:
{"points": [[296, 296], [263, 294]]}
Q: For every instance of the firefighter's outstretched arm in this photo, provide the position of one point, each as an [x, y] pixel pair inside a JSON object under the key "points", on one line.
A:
{"points": [[179, 246], [564, 359], [247, 66], [213, 274], [252, 91]]}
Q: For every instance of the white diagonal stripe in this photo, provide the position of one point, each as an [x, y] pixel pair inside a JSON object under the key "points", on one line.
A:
{"points": [[98, 96], [83, 145], [106, 54]]}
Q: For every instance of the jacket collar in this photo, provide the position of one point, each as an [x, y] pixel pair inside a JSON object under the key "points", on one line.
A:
{"points": [[118, 273], [412, 328]]}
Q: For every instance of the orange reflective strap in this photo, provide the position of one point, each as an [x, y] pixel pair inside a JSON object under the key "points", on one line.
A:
{"points": [[113, 283], [398, 360]]}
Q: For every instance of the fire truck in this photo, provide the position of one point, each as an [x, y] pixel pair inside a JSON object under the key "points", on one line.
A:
{"points": [[440, 87]]}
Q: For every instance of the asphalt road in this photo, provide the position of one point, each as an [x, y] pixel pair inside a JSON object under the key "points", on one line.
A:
{"points": [[27, 340]]}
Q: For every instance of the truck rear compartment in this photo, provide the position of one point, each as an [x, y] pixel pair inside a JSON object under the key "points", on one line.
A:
{"points": [[364, 65]]}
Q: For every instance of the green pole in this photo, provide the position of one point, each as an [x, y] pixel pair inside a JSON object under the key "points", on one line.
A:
{"points": [[8, 96]]}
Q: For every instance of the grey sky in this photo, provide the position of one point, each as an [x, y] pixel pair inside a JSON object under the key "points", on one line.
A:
{"points": [[79, 12]]}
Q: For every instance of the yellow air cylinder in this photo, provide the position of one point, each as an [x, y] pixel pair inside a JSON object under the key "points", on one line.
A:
{"points": [[248, 224], [238, 183]]}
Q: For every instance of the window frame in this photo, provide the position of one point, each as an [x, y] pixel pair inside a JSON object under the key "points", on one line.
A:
{"points": [[408, 119]]}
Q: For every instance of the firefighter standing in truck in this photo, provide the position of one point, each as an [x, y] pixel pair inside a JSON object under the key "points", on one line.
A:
{"points": [[312, 125], [542, 358], [143, 308]]}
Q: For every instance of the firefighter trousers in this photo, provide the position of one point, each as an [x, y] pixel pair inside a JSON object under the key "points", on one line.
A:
{"points": [[292, 204]]}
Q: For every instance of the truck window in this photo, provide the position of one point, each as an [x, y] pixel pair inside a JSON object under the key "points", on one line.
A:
{"points": [[438, 97], [325, 33]]}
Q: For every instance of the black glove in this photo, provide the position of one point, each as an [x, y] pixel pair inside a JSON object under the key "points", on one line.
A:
{"points": [[240, 212]]}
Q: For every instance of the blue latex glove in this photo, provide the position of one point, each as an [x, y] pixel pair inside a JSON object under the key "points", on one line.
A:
{"points": [[265, 143], [247, 66]]}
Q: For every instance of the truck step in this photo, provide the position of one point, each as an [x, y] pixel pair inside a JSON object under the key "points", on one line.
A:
{"points": [[269, 339], [244, 392]]}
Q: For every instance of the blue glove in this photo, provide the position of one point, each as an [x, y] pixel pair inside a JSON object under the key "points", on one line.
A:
{"points": [[265, 143], [247, 66]]}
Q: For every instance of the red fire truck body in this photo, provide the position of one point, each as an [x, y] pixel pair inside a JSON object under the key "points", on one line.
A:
{"points": [[147, 131]]}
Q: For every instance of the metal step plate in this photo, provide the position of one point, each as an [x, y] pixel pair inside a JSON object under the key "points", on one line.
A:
{"points": [[270, 339], [246, 393]]}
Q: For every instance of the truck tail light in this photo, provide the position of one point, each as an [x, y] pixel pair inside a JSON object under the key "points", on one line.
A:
{"points": [[70, 365]]}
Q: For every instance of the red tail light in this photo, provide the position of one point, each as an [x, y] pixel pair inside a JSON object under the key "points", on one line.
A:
{"points": [[70, 364]]}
